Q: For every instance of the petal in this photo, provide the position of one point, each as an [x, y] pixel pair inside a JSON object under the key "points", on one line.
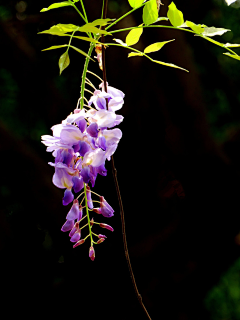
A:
{"points": [[73, 213], [85, 173], [77, 184], [75, 237], [68, 225], [68, 197], [92, 130]]}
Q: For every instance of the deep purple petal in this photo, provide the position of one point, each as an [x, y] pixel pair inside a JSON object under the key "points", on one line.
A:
{"points": [[85, 173], [82, 125], [68, 197], [102, 170], [102, 142], [77, 184], [89, 199], [92, 130], [84, 148]]}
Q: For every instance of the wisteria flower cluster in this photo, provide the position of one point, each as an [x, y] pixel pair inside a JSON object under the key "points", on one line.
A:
{"points": [[81, 144]]}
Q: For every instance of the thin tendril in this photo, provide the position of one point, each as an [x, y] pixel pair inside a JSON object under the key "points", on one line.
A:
{"points": [[95, 75]]}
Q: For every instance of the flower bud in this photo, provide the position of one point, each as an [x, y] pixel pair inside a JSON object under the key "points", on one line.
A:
{"points": [[100, 240], [91, 253], [78, 243], [101, 236], [92, 222], [106, 226]]}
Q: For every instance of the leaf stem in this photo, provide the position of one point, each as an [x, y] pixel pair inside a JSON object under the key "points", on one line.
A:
{"points": [[125, 15], [79, 12]]}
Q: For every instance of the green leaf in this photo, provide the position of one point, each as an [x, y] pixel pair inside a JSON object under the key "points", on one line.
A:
{"points": [[135, 3], [64, 61], [212, 31], [80, 51], [101, 22], [60, 29], [196, 28], [231, 45], [175, 16], [55, 47], [234, 56], [90, 28], [134, 36], [57, 5], [150, 12], [85, 39], [168, 65], [156, 46], [133, 54]]}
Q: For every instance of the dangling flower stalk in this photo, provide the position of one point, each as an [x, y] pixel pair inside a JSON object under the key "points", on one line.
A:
{"points": [[114, 172]]}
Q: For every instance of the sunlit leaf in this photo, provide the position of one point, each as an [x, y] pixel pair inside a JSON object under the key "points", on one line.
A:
{"points": [[101, 22], [212, 31], [196, 28], [60, 29], [169, 65], [150, 12], [175, 16], [120, 42], [135, 3], [90, 28], [156, 46], [55, 47], [133, 54], [134, 36], [87, 39], [80, 51], [234, 56], [231, 45], [229, 2], [57, 5], [64, 61], [75, 1]]}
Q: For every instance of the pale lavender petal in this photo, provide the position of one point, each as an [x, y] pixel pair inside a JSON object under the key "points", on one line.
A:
{"points": [[73, 213], [75, 237]]}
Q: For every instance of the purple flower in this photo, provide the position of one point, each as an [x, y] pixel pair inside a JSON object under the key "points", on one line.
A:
{"points": [[73, 214], [89, 199], [68, 197]]}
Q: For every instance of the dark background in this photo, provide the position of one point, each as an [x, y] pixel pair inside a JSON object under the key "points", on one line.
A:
{"points": [[178, 169]]}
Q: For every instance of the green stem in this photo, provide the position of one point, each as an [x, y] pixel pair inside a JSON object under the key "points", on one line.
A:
{"points": [[86, 203], [84, 75], [70, 40], [183, 29], [126, 14], [79, 12], [84, 11]]}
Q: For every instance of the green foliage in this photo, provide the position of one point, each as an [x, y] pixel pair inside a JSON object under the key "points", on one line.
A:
{"points": [[174, 15], [64, 61], [156, 46], [150, 12], [62, 29], [135, 3], [212, 31], [222, 301], [196, 28], [133, 36], [57, 5]]}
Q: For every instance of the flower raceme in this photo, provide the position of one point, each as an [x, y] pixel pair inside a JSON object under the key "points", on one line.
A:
{"points": [[81, 144]]}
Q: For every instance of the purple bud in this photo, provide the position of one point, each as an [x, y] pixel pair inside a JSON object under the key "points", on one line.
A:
{"points": [[68, 197], [102, 236], [106, 226], [106, 209], [91, 253]]}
